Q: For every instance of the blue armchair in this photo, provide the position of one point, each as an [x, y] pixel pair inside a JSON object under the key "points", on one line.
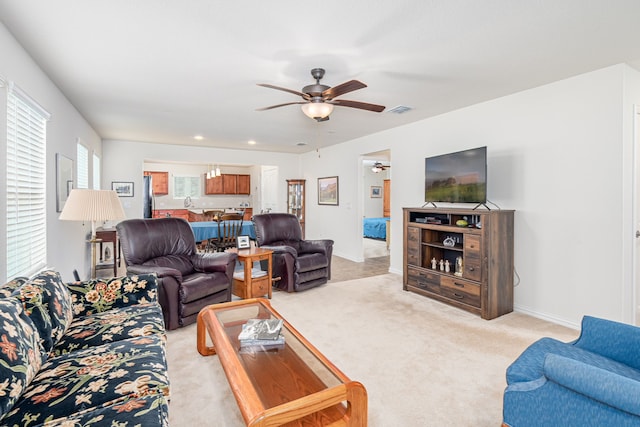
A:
{"points": [[593, 381]]}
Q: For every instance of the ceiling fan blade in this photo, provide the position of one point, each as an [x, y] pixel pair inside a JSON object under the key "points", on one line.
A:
{"points": [[341, 89], [280, 105], [357, 104], [295, 92]]}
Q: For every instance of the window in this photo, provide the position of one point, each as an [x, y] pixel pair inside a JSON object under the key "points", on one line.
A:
{"points": [[82, 162], [26, 190], [96, 172], [186, 186]]}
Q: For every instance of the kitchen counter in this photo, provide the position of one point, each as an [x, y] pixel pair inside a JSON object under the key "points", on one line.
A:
{"points": [[197, 214], [226, 210]]}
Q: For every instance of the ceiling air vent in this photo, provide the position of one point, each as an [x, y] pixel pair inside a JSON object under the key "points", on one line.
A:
{"points": [[399, 109]]}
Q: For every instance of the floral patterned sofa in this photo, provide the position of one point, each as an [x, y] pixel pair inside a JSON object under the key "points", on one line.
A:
{"points": [[82, 354]]}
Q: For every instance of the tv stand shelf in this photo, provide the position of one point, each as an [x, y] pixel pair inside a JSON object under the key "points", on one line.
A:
{"points": [[484, 285]]}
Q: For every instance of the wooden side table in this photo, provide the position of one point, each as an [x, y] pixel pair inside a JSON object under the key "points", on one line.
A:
{"points": [[250, 285], [109, 235]]}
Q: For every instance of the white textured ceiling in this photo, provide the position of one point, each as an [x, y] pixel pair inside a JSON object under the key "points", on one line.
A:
{"points": [[166, 70]]}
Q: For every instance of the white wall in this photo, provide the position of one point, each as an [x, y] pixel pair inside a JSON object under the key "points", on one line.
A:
{"points": [[558, 155], [124, 161], [372, 207], [66, 241]]}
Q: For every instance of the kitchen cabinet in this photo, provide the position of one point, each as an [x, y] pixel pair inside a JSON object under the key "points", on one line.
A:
{"points": [[159, 182], [244, 184], [213, 185], [228, 184]]}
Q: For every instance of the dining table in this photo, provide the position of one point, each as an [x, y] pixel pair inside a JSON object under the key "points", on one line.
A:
{"points": [[205, 230]]}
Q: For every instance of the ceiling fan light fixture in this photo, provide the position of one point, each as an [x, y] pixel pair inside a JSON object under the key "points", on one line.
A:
{"points": [[317, 110], [378, 167]]}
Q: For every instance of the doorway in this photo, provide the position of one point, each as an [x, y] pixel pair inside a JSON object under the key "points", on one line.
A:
{"points": [[376, 174], [268, 190]]}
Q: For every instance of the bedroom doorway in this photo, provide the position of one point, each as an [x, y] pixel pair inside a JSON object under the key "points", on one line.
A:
{"points": [[375, 206]]}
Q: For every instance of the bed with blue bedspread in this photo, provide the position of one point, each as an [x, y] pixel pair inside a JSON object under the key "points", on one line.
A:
{"points": [[375, 228]]}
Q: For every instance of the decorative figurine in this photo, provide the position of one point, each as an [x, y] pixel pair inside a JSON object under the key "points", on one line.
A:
{"points": [[441, 265], [447, 267], [434, 263], [458, 271], [449, 242]]}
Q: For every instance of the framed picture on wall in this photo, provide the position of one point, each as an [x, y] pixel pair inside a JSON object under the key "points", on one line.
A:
{"points": [[64, 180], [328, 191], [376, 192], [123, 189]]}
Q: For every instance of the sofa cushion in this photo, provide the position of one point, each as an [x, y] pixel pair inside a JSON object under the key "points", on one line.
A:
{"points": [[94, 378], [20, 353], [530, 364], [313, 261], [131, 411], [57, 298], [99, 295], [199, 285], [7, 289], [32, 297], [182, 263], [110, 326]]}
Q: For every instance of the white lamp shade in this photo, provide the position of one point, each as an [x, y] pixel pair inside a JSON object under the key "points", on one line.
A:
{"points": [[317, 110], [92, 205]]}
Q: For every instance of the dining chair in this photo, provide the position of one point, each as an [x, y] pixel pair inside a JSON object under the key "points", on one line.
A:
{"points": [[212, 215], [229, 227]]}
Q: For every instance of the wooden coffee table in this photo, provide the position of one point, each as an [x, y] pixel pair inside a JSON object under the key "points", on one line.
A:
{"points": [[294, 385]]}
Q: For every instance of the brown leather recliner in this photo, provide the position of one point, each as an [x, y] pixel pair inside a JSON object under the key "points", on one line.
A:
{"points": [[300, 264], [187, 280]]}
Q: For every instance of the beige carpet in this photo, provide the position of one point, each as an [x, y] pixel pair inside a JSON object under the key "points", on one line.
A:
{"points": [[423, 363]]}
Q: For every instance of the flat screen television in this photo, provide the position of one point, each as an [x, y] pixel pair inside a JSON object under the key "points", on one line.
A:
{"points": [[459, 177]]}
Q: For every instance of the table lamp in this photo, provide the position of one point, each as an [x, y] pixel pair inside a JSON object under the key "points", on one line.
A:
{"points": [[92, 205]]}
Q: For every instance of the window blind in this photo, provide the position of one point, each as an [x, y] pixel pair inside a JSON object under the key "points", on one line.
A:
{"points": [[26, 190], [82, 160]]}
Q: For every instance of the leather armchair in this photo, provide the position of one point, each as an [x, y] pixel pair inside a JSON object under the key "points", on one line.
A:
{"points": [[300, 264], [187, 280]]}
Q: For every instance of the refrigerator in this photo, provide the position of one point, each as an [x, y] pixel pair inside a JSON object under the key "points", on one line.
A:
{"points": [[147, 201]]}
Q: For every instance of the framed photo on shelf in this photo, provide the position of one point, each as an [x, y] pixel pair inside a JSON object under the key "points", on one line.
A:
{"points": [[376, 192], [328, 191], [123, 189], [242, 242]]}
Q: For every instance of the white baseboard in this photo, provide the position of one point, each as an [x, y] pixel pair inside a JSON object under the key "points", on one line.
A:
{"points": [[547, 317], [396, 271]]}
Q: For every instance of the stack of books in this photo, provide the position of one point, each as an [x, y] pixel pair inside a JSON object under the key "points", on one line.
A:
{"points": [[264, 333]]}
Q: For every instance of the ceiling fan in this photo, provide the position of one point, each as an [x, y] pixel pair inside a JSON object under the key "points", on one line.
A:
{"points": [[379, 167], [319, 99]]}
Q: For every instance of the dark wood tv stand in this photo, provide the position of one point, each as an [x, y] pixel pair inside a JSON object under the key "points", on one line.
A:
{"points": [[485, 284]]}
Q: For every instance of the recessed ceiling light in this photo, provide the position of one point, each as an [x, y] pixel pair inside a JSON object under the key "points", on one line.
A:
{"points": [[251, 142], [198, 137]]}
